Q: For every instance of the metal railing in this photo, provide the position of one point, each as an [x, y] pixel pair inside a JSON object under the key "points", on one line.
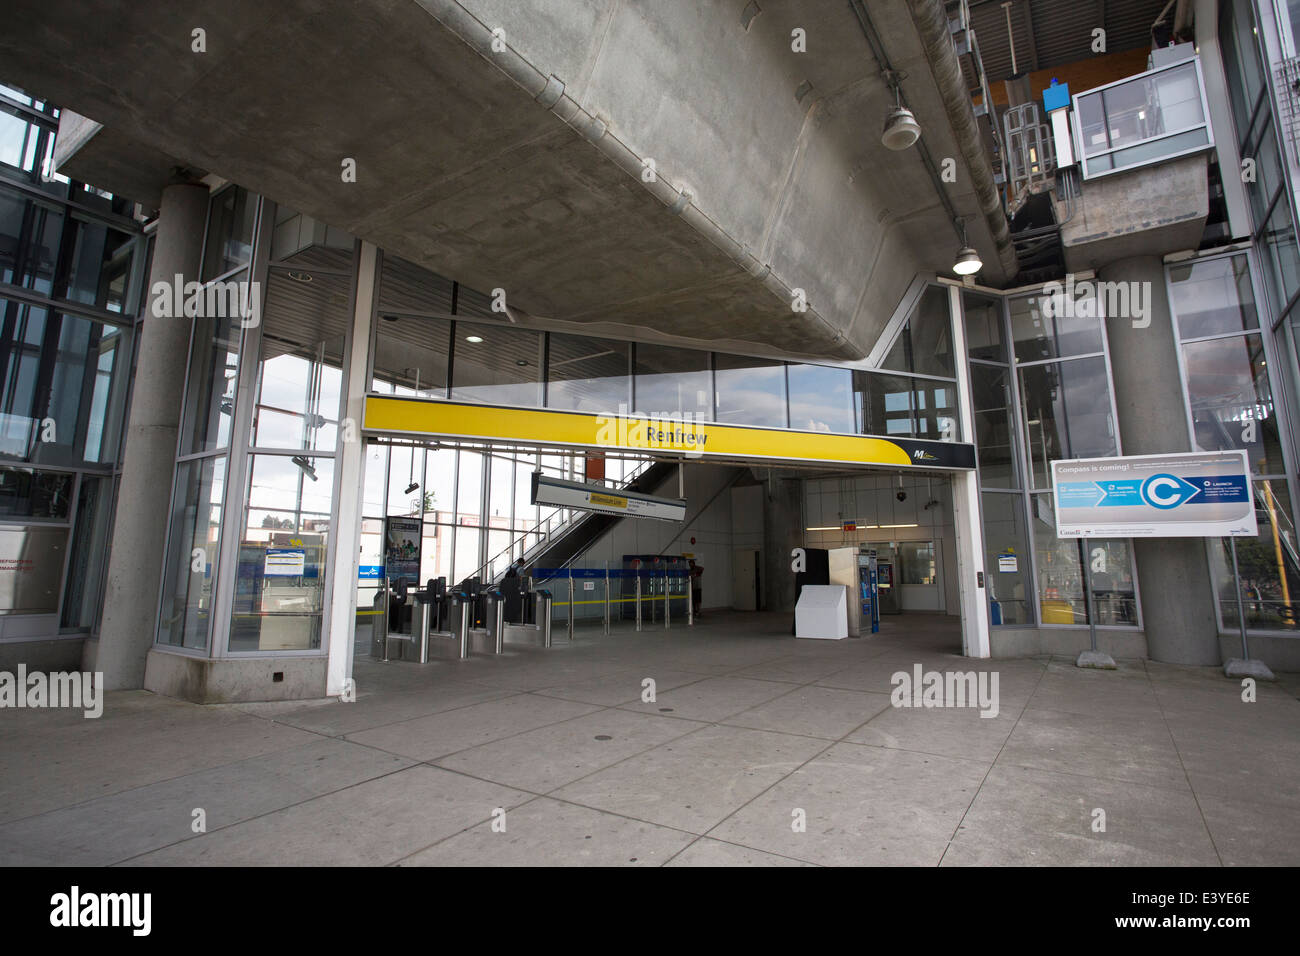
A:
{"points": [[546, 533]]}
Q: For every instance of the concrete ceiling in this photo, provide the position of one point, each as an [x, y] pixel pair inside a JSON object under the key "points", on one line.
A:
{"points": [[460, 170]]}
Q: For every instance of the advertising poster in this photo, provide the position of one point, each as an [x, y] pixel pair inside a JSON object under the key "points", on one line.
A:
{"points": [[402, 548]]}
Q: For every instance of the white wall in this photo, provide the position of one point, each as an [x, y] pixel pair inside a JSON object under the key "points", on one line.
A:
{"points": [[712, 530]]}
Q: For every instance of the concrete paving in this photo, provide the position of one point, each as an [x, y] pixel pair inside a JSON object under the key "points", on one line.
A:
{"points": [[756, 750]]}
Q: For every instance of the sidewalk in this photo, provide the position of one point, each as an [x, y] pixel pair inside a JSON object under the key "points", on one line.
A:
{"points": [[748, 728]]}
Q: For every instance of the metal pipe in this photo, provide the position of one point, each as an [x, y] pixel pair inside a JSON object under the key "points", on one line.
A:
{"points": [[1241, 611], [638, 599], [668, 600], [606, 598], [570, 605], [464, 626]]}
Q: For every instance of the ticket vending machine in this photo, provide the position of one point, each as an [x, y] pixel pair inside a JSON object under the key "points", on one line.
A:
{"points": [[868, 592]]}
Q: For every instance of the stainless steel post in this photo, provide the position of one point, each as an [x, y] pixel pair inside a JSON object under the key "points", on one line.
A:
{"points": [[606, 598], [425, 616], [690, 600], [464, 627], [500, 622], [546, 618], [638, 599], [668, 599], [570, 605], [1241, 612], [383, 621]]}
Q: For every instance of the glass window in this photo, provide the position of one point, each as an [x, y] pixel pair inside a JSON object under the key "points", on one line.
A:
{"points": [[585, 374], [984, 334], [404, 493], [87, 553], [501, 490], [280, 573], [192, 546], [210, 388], [1056, 326], [1283, 257], [1067, 414], [439, 484], [98, 266], [33, 493], [916, 563], [1006, 559], [29, 242], [672, 381], [995, 440], [411, 355], [750, 391], [469, 488], [496, 365], [1212, 297], [1060, 574], [300, 372], [1231, 401], [924, 346], [525, 510], [821, 399], [1270, 580], [230, 232], [467, 548], [900, 406]]}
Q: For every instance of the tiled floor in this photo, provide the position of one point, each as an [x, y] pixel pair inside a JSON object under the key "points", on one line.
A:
{"points": [[755, 750]]}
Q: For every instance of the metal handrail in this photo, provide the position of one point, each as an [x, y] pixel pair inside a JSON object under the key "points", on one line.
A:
{"points": [[548, 535]]}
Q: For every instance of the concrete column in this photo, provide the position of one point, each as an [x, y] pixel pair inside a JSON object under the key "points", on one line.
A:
{"points": [[140, 526], [1173, 573], [782, 532]]}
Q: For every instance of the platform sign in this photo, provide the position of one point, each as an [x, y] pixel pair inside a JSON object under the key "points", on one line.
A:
{"points": [[627, 504], [1192, 495], [284, 562]]}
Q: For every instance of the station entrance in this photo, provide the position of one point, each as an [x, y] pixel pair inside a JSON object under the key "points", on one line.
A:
{"points": [[473, 547]]}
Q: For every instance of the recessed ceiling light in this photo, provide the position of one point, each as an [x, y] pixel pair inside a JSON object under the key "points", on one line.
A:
{"points": [[299, 276], [521, 362], [474, 338]]}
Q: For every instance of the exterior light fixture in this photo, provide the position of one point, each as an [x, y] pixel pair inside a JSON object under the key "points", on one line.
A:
{"points": [[901, 128], [968, 260]]}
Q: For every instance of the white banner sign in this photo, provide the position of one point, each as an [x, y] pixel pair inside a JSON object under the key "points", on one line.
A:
{"points": [[1192, 495]]}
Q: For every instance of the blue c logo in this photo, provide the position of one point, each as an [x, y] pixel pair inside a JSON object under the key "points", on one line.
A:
{"points": [[1166, 491]]}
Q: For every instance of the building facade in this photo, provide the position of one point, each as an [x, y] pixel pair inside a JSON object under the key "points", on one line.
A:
{"points": [[245, 371]]}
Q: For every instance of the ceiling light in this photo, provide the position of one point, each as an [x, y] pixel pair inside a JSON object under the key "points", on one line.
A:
{"points": [[299, 276], [968, 260], [901, 128], [476, 339]]}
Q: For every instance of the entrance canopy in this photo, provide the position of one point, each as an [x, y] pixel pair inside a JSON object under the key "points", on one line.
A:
{"points": [[668, 435]]}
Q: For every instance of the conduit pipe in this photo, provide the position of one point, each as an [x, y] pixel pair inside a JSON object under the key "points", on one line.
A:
{"points": [[931, 21]]}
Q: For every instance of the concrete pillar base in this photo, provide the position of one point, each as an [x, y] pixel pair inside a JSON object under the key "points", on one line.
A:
{"points": [[1238, 668], [234, 680], [1097, 659]]}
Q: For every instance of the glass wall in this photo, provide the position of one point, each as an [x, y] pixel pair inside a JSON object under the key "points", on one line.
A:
{"points": [[72, 266], [1231, 403], [1040, 384]]}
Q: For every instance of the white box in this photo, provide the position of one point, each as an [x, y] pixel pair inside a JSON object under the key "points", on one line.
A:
{"points": [[822, 612]]}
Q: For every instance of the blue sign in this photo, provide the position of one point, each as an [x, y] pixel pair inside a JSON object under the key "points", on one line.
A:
{"points": [[370, 572]]}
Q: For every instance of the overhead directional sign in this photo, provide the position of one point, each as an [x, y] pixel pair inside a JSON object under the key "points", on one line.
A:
{"points": [[1194, 495], [628, 504]]}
